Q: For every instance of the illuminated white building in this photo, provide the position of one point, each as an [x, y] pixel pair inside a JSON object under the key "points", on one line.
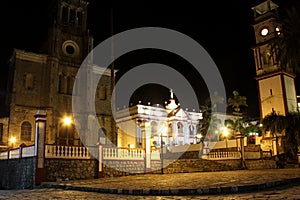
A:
{"points": [[172, 125]]}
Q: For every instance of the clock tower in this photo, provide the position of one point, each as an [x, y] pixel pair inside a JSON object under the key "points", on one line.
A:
{"points": [[276, 84]]}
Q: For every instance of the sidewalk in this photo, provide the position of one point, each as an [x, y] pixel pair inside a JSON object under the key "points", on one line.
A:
{"points": [[185, 183]]}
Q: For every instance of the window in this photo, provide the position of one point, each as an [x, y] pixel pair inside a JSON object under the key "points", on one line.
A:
{"points": [[69, 85], [61, 84], [191, 131], [72, 16], [26, 131], [28, 81], [65, 13], [79, 18], [180, 127], [271, 92], [267, 58]]}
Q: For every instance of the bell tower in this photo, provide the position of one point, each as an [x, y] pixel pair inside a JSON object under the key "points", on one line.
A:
{"points": [[69, 38], [276, 84]]}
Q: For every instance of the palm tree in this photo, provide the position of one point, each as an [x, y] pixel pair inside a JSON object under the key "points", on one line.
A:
{"points": [[286, 46], [276, 124], [236, 101]]}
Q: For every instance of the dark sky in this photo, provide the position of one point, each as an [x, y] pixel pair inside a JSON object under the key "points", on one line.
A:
{"points": [[223, 28]]}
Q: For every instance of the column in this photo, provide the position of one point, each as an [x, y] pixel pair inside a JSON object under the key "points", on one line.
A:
{"points": [[241, 147], [147, 136], [100, 161], [39, 146]]}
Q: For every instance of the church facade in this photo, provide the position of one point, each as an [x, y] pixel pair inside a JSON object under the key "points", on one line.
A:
{"points": [[168, 126], [45, 81]]}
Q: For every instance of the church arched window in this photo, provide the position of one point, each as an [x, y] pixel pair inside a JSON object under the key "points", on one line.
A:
{"points": [[191, 131], [26, 131], [69, 85], [180, 127]]}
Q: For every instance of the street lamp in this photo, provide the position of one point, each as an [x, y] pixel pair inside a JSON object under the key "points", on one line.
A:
{"points": [[225, 133], [67, 122], [198, 138], [13, 141], [161, 148]]}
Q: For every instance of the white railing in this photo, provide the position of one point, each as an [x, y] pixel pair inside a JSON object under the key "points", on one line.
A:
{"points": [[69, 152], [15, 153], [224, 155], [4, 155], [155, 154], [21, 152], [123, 154], [28, 151]]}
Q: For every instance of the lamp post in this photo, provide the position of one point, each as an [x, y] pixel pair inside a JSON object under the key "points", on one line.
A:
{"points": [[67, 121], [161, 153], [225, 133]]}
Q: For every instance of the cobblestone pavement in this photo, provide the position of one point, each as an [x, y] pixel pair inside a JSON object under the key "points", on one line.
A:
{"points": [[186, 183], [289, 193]]}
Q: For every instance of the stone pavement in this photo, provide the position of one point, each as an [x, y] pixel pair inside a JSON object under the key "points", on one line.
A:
{"points": [[199, 183]]}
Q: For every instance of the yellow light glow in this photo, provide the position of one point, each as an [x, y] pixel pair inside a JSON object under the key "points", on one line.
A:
{"points": [[67, 120], [12, 139], [198, 136], [225, 131]]}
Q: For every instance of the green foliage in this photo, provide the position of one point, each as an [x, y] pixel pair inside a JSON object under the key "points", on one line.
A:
{"points": [[285, 48], [290, 125], [236, 101]]}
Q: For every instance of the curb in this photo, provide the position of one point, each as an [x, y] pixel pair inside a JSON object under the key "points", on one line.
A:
{"points": [[178, 192]]}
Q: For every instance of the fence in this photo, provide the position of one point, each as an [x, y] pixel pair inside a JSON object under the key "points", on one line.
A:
{"points": [[123, 153], [67, 152], [21, 152], [223, 155]]}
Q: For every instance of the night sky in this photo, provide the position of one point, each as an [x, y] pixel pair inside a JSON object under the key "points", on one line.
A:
{"points": [[223, 28]]}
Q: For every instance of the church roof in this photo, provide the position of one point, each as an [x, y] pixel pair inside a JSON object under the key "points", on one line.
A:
{"points": [[264, 7]]}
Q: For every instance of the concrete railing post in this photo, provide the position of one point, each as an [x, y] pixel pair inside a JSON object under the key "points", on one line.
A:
{"points": [[240, 142], [39, 146]]}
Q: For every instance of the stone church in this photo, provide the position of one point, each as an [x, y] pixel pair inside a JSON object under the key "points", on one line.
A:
{"points": [[44, 81]]}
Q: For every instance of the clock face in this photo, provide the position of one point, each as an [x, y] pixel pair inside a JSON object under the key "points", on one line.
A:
{"points": [[264, 31]]}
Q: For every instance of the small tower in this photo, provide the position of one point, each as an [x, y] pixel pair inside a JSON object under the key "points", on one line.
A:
{"points": [[172, 105], [276, 87]]}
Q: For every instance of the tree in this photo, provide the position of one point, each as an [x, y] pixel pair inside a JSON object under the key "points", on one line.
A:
{"points": [[276, 124], [285, 47], [236, 101], [208, 124], [292, 134]]}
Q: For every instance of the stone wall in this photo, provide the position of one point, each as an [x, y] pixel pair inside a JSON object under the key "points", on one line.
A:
{"points": [[200, 165], [70, 169], [17, 173], [123, 168], [261, 164]]}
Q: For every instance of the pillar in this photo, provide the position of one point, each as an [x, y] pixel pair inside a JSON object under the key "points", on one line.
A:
{"points": [[39, 146], [100, 161], [241, 147], [147, 135]]}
